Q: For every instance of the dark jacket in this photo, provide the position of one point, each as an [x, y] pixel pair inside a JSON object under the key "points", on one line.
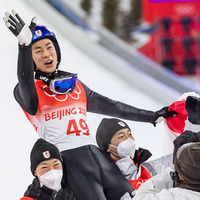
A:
{"points": [[36, 192]]}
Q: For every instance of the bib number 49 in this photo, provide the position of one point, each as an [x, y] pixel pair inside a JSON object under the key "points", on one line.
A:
{"points": [[73, 128]]}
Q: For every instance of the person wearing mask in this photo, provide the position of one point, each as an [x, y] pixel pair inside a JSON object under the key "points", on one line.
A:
{"points": [[47, 167], [115, 138], [179, 184], [56, 103]]}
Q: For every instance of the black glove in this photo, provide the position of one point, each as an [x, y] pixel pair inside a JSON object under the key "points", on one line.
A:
{"points": [[192, 106], [164, 113], [17, 26]]}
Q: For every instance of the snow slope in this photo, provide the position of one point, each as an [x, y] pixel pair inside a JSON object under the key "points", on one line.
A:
{"points": [[18, 136]]}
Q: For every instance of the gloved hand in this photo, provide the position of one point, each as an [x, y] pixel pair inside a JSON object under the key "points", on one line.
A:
{"points": [[18, 28], [163, 113], [192, 106]]}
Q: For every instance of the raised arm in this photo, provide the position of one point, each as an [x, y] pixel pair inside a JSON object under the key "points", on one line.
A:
{"points": [[97, 103], [25, 91]]}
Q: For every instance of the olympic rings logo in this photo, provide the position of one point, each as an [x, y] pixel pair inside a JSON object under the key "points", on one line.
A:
{"points": [[74, 95], [184, 9]]}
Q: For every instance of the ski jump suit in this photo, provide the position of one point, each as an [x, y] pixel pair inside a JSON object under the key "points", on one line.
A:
{"points": [[61, 120]]}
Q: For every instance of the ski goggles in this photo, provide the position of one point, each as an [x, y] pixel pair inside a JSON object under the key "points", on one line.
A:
{"points": [[64, 85]]}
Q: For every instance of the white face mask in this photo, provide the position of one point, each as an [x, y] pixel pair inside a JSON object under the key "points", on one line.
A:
{"points": [[52, 179], [126, 148]]}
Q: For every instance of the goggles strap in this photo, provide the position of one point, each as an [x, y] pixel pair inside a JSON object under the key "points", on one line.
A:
{"points": [[45, 77]]}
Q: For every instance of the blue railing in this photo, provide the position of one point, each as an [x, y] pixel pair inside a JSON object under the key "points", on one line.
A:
{"points": [[68, 13]]}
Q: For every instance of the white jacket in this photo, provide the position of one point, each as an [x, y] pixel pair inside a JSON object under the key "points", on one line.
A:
{"points": [[145, 171], [160, 187]]}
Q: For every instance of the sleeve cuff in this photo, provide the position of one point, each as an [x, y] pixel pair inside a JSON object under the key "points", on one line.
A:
{"points": [[191, 127]]}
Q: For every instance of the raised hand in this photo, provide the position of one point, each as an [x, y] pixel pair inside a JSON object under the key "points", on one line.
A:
{"points": [[17, 26], [192, 106], [163, 113]]}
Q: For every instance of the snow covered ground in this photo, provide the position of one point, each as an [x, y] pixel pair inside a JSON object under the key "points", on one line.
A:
{"points": [[17, 135]]}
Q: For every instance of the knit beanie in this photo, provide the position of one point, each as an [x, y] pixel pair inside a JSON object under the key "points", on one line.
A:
{"points": [[187, 163], [42, 151], [185, 137], [107, 129]]}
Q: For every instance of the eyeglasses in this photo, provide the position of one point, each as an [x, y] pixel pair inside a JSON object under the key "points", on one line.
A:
{"points": [[64, 85]]}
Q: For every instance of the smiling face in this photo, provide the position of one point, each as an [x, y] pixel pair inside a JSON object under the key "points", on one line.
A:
{"points": [[48, 165], [44, 55]]}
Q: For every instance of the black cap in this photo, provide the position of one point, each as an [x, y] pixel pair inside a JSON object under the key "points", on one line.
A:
{"points": [[107, 129], [41, 151]]}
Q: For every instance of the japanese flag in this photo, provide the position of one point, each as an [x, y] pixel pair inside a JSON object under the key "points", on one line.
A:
{"points": [[175, 125], [38, 33], [46, 154]]}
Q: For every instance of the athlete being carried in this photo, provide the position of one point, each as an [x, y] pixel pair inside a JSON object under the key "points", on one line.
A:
{"points": [[56, 102]]}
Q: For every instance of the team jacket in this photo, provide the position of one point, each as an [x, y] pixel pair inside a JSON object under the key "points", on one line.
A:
{"points": [[35, 192], [139, 169], [61, 119], [160, 187]]}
